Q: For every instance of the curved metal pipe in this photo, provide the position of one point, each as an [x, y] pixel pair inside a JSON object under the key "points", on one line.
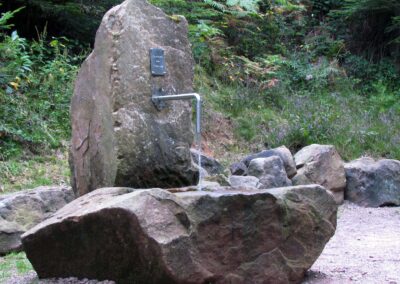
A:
{"points": [[185, 97], [158, 98]]}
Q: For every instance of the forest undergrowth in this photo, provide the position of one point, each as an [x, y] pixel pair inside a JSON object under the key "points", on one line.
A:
{"points": [[281, 72]]}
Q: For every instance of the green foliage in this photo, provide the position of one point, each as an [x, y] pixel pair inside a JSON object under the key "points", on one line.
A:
{"points": [[320, 8], [286, 72], [306, 101], [15, 62], [285, 75], [374, 27], [393, 28], [322, 43], [249, 5], [252, 38], [17, 173], [77, 19], [5, 17], [355, 8], [35, 89], [366, 74], [14, 263], [201, 34], [384, 100]]}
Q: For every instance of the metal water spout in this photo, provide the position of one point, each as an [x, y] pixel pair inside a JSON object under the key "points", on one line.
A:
{"points": [[158, 69], [159, 99]]}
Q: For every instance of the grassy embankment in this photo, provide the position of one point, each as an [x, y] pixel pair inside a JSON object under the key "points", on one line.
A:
{"points": [[278, 74]]}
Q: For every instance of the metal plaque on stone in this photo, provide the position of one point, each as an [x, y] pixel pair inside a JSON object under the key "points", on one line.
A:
{"points": [[157, 62]]}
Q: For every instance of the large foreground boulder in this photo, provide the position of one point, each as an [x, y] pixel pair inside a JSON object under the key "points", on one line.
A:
{"points": [[154, 236], [373, 183], [118, 136], [321, 164], [22, 210]]}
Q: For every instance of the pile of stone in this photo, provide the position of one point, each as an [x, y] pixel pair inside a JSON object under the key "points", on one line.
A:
{"points": [[314, 164], [364, 181]]}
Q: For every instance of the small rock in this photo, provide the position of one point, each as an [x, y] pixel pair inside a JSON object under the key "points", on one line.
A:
{"points": [[270, 172], [238, 169], [245, 181], [219, 178], [209, 185], [321, 164], [282, 152], [211, 165], [202, 171]]}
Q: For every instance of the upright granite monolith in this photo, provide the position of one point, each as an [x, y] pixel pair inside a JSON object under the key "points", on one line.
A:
{"points": [[118, 137]]}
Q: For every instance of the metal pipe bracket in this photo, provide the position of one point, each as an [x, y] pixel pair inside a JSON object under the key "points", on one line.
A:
{"points": [[155, 98]]}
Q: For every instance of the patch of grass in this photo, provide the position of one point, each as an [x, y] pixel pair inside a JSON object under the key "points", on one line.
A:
{"points": [[347, 120], [14, 263], [34, 171], [218, 128], [333, 112]]}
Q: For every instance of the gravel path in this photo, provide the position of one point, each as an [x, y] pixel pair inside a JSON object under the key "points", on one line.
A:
{"points": [[364, 249], [31, 278]]}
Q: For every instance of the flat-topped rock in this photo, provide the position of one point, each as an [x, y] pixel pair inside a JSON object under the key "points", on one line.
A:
{"points": [[119, 138], [22, 210], [155, 236], [321, 164], [373, 183]]}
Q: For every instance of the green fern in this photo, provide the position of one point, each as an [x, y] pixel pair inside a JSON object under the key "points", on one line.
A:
{"points": [[216, 5], [249, 5], [7, 16]]}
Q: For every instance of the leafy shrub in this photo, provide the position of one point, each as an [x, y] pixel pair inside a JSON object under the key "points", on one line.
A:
{"points": [[366, 73], [35, 89], [15, 62], [373, 27], [75, 19]]}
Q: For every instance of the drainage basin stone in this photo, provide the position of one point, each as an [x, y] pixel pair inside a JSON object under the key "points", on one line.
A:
{"points": [[155, 236]]}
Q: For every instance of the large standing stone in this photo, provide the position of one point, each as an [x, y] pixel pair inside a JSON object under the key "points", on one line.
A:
{"points": [[270, 171], [22, 210], [373, 183], [118, 136], [321, 164], [154, 236]]}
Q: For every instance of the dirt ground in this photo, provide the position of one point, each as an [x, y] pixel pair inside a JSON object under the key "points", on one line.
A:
{"points": [[364, 249]]}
